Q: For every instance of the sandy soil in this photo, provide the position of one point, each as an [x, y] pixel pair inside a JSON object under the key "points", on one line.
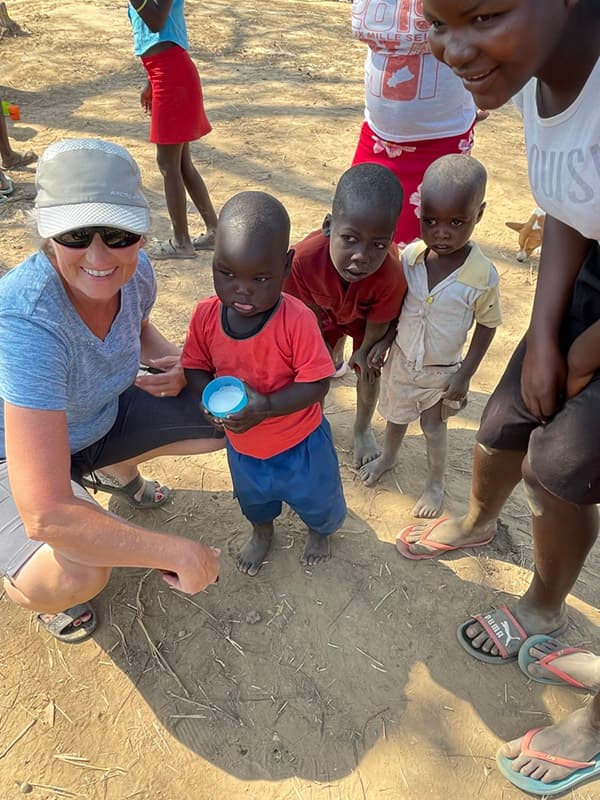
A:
{"points": [[341, 682]]}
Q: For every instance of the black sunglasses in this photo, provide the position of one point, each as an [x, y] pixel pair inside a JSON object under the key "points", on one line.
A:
{"points": [[80, 238]]}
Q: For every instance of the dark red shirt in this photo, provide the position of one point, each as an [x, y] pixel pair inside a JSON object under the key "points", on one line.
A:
{"points": [[315, 281]]}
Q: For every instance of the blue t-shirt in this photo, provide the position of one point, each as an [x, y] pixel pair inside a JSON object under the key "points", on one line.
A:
{"points": [[49, 358], [174, 29]]}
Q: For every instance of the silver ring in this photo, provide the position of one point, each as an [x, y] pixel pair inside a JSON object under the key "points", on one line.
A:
{"points": [[163, 394]]}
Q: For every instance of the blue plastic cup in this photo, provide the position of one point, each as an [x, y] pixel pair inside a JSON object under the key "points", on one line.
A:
{"points": [[224, 396]]}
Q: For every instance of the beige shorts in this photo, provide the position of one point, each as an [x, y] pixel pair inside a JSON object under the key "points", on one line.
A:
{"points": [[406, 392]]}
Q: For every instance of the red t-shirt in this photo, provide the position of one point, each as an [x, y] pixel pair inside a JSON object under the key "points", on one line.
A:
{"points": [[288, 349], [316, 282]]}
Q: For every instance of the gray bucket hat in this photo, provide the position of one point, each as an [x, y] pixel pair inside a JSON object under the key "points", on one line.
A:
{"points": [[85, 182]]}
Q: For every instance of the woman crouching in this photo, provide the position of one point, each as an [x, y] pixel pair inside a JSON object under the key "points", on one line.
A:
{"points": [[74, 328]]}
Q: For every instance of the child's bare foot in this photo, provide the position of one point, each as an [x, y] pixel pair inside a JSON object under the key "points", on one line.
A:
{"points": [[429, 504], [365, 448], [373, 470], [205, 241], [317, 549], [252, 554]]}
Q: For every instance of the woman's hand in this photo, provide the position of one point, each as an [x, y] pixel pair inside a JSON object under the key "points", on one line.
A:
{"points": [[543, 378], [167, 383], [199, 570]]}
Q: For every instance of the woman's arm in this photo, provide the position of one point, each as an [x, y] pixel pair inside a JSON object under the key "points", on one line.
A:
{"points": [[81, 530], [153, 12], [160, 353], [544, 370]]}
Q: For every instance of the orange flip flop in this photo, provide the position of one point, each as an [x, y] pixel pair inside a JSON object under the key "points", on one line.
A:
{"points": [[402, 545]]}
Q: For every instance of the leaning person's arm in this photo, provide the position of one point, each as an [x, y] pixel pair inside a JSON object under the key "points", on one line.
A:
{"points": [[544, 370], [376, 356], [80, 530], [583, 359], [374, 331]]}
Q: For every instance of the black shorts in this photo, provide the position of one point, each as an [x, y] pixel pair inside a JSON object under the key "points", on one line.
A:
{"points": [[143, 423], [564, 453]]}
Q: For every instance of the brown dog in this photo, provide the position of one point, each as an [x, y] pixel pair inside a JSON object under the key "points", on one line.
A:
{"points": [[530, 233]]}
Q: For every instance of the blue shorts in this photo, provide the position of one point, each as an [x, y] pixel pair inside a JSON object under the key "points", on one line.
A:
{"points": [[306, 477]]}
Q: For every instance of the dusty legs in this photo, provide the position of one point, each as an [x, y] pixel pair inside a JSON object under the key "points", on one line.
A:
{"points": [[436, 437], [180, 174], [365, 446], [563, 534]]}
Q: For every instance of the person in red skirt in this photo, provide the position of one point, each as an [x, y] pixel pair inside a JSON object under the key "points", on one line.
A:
{"points": [[416, 109], [173, 97]]}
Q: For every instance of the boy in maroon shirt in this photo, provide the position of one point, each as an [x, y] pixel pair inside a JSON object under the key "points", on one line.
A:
{"points": [[346, 273]]}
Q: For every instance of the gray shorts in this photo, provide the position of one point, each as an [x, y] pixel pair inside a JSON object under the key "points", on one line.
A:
{"points": [[15, 546]]}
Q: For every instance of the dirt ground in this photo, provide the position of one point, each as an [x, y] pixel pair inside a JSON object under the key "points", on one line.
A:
{"points": [[335, 683]]}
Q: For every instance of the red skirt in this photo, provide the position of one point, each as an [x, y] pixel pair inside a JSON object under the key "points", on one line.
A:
{"points": [[408, 161], [177, 105]]}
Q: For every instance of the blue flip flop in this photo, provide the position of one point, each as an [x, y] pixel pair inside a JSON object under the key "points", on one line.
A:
{"points": [[584, 771], [561, 678]]}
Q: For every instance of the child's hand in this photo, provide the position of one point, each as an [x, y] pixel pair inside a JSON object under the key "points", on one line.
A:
{"points": [[251, 415], [378, 354], [146, 98], [454, 398], [358, 362]]}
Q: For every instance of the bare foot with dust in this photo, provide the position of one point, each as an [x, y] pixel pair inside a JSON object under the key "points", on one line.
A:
{"points": [[365, 448], [252, 554], [429, 504], [317, 549], [373, 470]]}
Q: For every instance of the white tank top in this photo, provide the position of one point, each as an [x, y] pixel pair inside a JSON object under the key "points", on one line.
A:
{"points": [[563, 156], [409, 95]]}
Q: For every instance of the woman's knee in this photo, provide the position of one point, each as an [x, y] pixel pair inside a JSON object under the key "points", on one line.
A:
{"points": [[52, 587]]}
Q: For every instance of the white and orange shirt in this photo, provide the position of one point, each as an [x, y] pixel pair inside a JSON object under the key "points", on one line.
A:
{"points": [[409, 94]]}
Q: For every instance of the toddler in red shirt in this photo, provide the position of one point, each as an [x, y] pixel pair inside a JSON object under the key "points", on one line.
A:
{"points": [[354, 283], [279, 447]]}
